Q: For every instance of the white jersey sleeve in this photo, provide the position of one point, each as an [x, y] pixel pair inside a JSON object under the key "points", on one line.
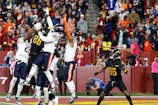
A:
{"points": [[48, 38]]}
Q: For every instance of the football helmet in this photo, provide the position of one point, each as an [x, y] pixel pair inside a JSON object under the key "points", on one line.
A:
{"points": [[116, 53]]}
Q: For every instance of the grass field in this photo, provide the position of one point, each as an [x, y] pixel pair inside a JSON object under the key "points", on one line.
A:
{"points": [[2, 103]]}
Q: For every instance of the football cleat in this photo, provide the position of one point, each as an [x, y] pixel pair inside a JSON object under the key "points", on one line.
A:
{"points": [[72, 100], [39, 103], [8, 97], [53, 101], [18, 100]]}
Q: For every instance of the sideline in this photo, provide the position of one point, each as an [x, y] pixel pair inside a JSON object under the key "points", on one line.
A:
{"points": [[113, 97]]}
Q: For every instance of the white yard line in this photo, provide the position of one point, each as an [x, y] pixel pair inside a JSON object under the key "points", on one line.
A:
{"points": [[93, 96]]}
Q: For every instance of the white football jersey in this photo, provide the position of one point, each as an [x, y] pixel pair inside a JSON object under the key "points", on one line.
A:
{"points": [[23, 50], [50, 41], [70, 52]]}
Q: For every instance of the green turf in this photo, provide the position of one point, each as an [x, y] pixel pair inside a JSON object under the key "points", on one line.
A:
{"points": [[4, 104]]}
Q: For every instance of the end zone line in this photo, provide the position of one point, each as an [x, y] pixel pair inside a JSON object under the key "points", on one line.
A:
{"points": [[93, 97]]}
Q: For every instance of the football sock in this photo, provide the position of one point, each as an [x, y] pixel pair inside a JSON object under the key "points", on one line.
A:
{"points": [[99, 100], [50, 78], [71, 87], [129, 99], [46, 94], [12, 84], [32, 72], [20, 87], [38, 92]]}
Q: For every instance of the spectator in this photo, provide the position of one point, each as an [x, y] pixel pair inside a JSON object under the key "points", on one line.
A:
{"points": [[108, 29], [9, 58], [88, 42], [94, 49], [1, 37], [82, 26], [134, 17], [138, 5], [100, 23], [4, 12], [122, 35], [127, 6], [118, 6], [111, 5], [106, 45], [156, 45], [80, 57], [134, 51], [154, 72], [9, 42], [147, 45], [9, 4], [134, 48], [138, 61], [125, 22]]}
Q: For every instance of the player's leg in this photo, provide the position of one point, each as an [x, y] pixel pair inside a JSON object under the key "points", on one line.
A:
{"points": [[19, 90], [11, 86], [45, 89], [38, 94], [34, 69], [105, 91], [101, 97], [128, 97], [46, 95], [70, 83], [51, 80], [23, 72], [123, 89], [39, 84], [48, 58], [15, 77], [32, 82]]}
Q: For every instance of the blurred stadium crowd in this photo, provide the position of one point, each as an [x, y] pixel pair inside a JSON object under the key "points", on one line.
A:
{"points": [[123, 23]]}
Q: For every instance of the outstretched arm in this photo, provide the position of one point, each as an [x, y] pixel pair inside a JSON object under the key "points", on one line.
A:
{"points": [[48, 18], [100, 71], [122, 66], [48, 38]]}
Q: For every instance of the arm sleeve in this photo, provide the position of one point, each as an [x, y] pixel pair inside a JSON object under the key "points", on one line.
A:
{"points": [[122, 66], [50, 23], [48, 38]]}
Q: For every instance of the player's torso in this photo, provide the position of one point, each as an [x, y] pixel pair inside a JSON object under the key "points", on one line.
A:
{"points": [[114, 69], [36, 45], [70, 52], [23, 52]]}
